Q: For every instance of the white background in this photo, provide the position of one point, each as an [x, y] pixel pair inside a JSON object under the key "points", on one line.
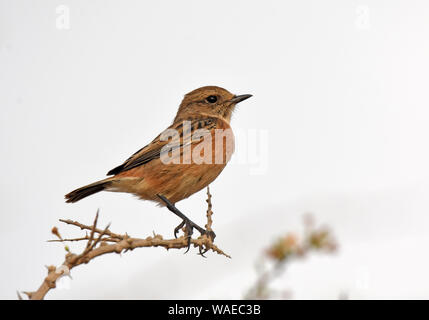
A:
{"points": [[344, 101]]}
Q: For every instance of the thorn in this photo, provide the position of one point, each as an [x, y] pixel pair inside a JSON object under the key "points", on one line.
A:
{"points": [[55, 232], [50, 268]]}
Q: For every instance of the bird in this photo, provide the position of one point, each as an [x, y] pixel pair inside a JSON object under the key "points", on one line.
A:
{"points": [[182, 160]]}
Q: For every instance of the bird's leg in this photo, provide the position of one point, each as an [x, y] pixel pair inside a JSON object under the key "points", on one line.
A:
{"points": [[187, 223]]}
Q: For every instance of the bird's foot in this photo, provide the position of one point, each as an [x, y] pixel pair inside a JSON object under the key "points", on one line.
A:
{"points": [[187, 224], [211, 235], [188, 228]]}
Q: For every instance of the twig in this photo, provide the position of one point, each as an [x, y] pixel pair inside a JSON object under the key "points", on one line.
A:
{"points": [[209, 210], [289, 248], [82, 239], [97, 245], [85, 227]]}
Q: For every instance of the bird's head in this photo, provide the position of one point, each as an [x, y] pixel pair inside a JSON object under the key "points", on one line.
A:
{"points": [[210, 101]]}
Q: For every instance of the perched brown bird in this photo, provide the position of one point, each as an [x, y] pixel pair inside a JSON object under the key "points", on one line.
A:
{"points": [[182, 160]]}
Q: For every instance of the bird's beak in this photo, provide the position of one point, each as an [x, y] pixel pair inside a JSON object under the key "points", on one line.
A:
{"points": [[242, 97]]}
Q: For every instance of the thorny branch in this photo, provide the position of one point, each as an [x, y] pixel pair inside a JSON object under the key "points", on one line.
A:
{"points": [[103, 241], [286, 249]]}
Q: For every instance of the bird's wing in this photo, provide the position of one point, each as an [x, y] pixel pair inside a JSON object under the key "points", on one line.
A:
{"points": [[153, 150]]}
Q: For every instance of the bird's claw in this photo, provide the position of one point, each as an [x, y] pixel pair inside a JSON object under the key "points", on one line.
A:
{"points": [[177, 229], [210, 234], [189, 231]]}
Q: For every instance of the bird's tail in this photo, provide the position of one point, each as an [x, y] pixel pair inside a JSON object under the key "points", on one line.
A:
{"points": [[88, 190]]}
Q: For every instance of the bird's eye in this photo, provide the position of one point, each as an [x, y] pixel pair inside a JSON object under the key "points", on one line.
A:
{"points": [[211, 99]]}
